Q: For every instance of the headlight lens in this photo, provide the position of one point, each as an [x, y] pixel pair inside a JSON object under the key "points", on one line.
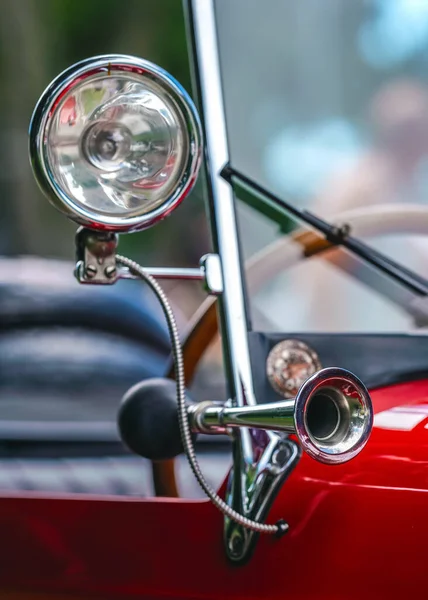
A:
{"points": [[115, 142]]}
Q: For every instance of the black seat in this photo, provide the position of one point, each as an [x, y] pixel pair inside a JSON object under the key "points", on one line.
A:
{"points": [[67, 355]]}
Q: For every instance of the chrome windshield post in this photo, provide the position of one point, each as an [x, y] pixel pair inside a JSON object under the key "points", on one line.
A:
{"points": [[253, 453]]}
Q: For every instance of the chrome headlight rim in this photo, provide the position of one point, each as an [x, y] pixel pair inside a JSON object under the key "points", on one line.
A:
{"points": [[43, 114]]}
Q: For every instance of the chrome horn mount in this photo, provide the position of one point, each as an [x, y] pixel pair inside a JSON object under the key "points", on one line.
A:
{"points": [[331, 415]]}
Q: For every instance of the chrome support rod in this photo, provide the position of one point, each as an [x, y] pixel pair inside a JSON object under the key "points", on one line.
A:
{"points": [[276, 416], [190, 274], [243, 495], [222, 208]]}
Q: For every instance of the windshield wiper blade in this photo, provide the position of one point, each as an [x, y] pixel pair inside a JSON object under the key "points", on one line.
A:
{"points": [[336, 236]]}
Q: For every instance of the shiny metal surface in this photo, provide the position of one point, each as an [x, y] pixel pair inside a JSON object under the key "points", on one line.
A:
{"points": [[39, 150], [188, 274], [332, 416], [96, 257], [353, 405], [252, 454], [209, 272], [289, 365], [211, 267], [201, 422], [231, 304], [277, 416]]}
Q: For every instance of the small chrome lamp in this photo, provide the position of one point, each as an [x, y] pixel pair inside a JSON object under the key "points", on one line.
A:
{"points": [[115, 143]]}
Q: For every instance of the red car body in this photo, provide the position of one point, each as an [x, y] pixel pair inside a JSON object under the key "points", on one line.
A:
{"points": [[357, 530]]}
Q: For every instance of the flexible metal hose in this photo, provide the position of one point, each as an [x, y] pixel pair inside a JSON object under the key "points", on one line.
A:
{"points": [[185, 431]]}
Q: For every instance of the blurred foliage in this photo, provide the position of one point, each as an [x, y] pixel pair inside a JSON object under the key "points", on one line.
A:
{"points": [[153, 29], [39, 39]]}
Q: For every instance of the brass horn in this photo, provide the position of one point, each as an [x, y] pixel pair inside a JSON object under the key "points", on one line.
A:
{"points": [[332, 416]]}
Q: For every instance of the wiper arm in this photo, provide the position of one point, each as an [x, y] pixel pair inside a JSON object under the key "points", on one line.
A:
{"points": [[336, 236]]}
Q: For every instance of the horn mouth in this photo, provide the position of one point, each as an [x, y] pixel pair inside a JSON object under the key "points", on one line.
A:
{"points": [[333, 415]]}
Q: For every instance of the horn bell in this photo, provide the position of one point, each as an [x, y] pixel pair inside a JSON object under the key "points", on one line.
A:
{"points": [[333, 415]]}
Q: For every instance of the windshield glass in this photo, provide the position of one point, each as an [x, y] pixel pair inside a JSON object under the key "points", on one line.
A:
{"points": [[327, 106]]}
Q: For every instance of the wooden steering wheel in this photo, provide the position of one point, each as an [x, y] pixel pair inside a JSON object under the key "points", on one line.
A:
{"points": [[284, 253]]}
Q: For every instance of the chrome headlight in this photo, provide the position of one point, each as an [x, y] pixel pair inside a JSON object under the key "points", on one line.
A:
{"points": [[115, 143]]}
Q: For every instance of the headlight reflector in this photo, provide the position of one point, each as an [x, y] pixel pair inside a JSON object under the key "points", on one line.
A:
{"points": [[115, 143]]}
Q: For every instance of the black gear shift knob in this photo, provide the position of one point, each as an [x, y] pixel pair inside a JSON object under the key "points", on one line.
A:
{"points": [[148, 419]]}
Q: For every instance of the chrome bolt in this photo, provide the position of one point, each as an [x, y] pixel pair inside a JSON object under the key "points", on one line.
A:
{"points": [[110, 271], [78, 270], [90, 271], [280, 455], [236, 543]]}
